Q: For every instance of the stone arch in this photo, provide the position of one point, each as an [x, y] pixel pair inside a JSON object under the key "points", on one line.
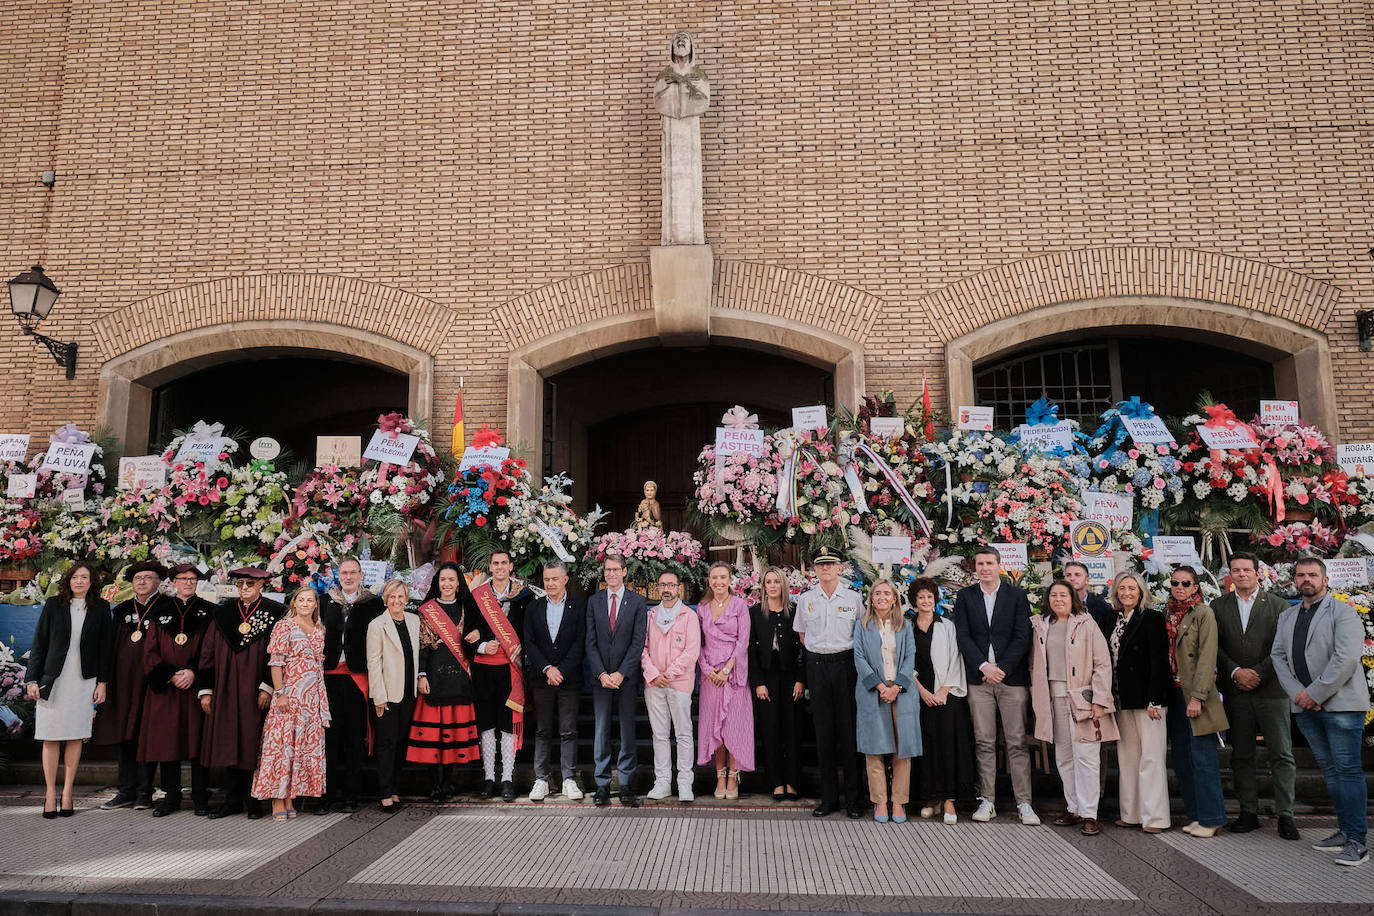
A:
{"points": [[166, 335], [1301, 355], [760, 307]]}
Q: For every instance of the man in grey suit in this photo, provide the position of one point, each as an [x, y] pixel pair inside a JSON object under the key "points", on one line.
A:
{"points": [[616, 618], [1317, 659], [1255, 702]]}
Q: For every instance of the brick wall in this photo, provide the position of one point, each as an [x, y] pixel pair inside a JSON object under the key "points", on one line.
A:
{"points": [[498, 160]]}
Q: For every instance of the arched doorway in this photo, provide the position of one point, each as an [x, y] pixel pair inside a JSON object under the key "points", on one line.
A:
{"points": [[1086, 374], [291, 395], [644, 415]]}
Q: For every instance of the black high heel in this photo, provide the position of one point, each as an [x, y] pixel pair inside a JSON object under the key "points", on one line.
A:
{"points": [[67, 812], [49, 815]]}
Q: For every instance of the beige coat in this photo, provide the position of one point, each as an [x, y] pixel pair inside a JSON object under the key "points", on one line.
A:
{"points": [[386, 665], [1195, 652], [1089, 668]]}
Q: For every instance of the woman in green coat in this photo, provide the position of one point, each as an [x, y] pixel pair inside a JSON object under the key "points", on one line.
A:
{"points": [[1195, 710]]}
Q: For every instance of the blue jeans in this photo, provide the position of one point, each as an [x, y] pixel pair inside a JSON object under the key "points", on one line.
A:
{"points": [[1335, 741], [1195, 765]]}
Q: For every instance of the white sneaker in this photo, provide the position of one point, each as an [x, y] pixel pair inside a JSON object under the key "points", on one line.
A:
{"points": [[540, 790], [986, 811], [660, 791], [951, 819], [571, 790], [684, 792], [1028, 815]]}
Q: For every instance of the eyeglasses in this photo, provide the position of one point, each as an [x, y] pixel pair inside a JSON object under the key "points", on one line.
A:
{"points": [[1174, 583], [186, 579]]}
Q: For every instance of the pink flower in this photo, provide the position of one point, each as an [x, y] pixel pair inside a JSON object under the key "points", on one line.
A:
{"points": [[1133, 453], [204, 500]]}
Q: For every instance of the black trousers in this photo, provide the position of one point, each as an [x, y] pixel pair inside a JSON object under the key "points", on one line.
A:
{"points": [[390, 733], [133, 777], [345, 741], [776, 723], [555, 706], [238, 786], [171, 780], [831, 680]]}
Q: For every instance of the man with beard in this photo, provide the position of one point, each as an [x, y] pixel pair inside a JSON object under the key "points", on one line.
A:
{"points": [[121, 714], [345, 614], [172, 717], [236, 688]]}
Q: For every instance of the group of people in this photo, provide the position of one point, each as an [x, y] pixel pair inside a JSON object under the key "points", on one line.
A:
{"points": [[287, 702]]}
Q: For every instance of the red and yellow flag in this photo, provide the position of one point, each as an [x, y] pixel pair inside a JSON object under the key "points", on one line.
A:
{"points": [[926, 411], [459, 439]]}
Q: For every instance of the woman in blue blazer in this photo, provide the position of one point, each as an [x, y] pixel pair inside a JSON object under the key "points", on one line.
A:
{"points": [[887, 716]]}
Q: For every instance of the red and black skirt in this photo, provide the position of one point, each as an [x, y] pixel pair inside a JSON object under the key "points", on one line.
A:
{"points": [[443, 734]]}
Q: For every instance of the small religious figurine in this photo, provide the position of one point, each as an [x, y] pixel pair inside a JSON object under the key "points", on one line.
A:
{"points": [[649, 515], [681, 95]]}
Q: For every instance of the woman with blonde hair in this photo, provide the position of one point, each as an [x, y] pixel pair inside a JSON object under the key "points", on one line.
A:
{"points": [[1141, 684], [887, 716], [292, 761], [725, 725], [393, 665], [775, 672]]}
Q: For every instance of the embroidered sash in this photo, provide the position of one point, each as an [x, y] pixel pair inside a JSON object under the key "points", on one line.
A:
{"points": [[510, 647], [432, 613]]}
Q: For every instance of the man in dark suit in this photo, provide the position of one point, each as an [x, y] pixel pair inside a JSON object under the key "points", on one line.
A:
{"points": [[1080, 580], [345, 614], [554, 639], [992, 623], [616, 618], [1256, 704]]}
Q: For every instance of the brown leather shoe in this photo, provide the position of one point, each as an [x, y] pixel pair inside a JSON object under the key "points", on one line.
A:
{"points": [[1148, 829], [1129, 826], [1067, 819], [1090, 827]]}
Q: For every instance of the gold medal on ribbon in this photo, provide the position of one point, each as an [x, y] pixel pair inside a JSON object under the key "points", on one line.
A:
{"points": [[180, 639], [135, 636], [245, 628]]}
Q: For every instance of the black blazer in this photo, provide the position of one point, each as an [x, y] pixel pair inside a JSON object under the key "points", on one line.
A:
{"points": [[1102, 612], [623, 650], [1142, 674], [1009, 635], [348, 640], [563, 650], [762, 659], [53, 636]]}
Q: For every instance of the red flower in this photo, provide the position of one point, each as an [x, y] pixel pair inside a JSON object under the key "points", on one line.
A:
{"points": [[480, 521], [222, 482]]}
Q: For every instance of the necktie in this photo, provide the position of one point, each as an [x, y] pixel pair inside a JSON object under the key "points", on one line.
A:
{"points": [[613, 597]]}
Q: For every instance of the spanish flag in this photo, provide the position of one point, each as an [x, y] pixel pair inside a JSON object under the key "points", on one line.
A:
{"points": [[926, 410], [458, 446]]}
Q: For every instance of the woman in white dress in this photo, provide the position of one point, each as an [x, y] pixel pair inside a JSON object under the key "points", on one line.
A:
{"points": [[69, 667]]}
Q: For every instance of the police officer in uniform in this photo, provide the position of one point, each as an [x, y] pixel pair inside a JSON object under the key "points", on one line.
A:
{"points": [[825, 622]]}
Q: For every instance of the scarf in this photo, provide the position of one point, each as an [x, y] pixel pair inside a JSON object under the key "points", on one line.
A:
{"points": [[664, 616], [1174, 616]]}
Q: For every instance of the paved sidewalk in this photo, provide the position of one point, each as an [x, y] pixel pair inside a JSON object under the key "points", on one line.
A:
{"points": [[662, 859]]}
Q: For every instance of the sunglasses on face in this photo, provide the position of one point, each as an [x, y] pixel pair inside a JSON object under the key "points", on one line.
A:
{"points": [[1174, 583]]}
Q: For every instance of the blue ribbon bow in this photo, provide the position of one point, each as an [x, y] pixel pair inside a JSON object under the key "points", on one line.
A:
{"points": [[1042, 413]]}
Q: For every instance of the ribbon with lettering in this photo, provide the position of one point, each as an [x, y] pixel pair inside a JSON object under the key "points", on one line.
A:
{"points": [[1043, 413], [892, 480], [509, 655], [432, 613]]}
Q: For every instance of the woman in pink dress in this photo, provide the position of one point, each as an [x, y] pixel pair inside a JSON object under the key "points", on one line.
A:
{"points": [[292, 758], [725, 729]]}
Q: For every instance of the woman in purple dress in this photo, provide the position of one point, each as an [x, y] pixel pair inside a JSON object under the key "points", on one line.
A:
{"points": [[725, 728]]}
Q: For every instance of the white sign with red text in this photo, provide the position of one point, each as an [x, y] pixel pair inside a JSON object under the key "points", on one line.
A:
{"points": [[1356, 458], [976, 418], [1278, 412]]}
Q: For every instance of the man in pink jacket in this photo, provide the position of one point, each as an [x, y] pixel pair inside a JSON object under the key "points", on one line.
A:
{"points": [[671, 647]]}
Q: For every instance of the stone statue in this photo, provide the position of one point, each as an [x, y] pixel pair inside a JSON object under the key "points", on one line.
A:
{"points": [[681, 95], [649, 514]]}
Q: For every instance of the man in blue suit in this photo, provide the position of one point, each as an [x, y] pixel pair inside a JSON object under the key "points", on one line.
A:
{"points": [[616, 618], [992, 624]]}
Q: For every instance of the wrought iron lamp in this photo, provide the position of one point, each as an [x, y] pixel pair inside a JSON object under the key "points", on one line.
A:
{"points": [[32, 295]]}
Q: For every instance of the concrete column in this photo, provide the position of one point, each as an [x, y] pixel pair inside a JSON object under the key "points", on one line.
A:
{"points": [[681, 277]]}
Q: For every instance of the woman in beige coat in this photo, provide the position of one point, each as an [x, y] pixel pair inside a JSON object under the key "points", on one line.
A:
{"points": [[1195, 711], [393, 660], [1071, 694]]}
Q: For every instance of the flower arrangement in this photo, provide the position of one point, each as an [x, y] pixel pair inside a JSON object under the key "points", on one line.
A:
{"points": [[648, 553], [1298, 538], [51, 485], [333, 496], [813, 499], [1036, 506], [21, 533], [882, 465], [255, 506], [409, 490], [12, 697], [308, 558], [745, 492], [1312, 481], [480, 495], [535, 521], [1149, 472]]}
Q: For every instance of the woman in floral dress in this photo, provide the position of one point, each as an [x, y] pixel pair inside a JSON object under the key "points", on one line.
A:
{"points": [[292, 758], [725, 732]]}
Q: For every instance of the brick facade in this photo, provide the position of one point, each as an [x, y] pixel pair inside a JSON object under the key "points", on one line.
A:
{"points": [[470, 178]]}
